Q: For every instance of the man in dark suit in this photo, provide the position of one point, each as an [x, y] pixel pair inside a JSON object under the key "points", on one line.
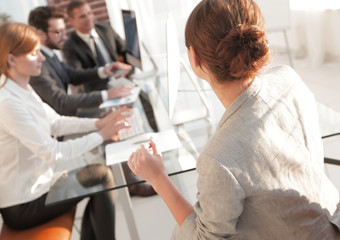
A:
{"points": [[94, 44], [53, 81], [52, 84]]}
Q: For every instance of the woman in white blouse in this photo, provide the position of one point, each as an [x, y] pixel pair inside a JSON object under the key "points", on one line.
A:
{"points": [[29, 153]]}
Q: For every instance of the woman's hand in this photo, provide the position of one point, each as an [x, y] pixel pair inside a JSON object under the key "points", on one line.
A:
{"points": [[113, 122], [150, 167], [147, 163]]}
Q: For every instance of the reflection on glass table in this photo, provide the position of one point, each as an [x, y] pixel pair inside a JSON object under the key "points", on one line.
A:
{"points": [[71, 184], [75, 183]]}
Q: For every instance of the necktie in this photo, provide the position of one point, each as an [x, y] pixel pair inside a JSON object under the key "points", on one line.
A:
{"points": [[60, 71], [100, 58]]}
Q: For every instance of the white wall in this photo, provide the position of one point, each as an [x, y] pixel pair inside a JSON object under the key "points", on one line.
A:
{"points": [[18, 10]]}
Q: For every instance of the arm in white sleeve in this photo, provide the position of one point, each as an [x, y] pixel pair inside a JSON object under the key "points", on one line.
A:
{"points": [[33, 132], [65, 125], [105, 95], [101, 72]]}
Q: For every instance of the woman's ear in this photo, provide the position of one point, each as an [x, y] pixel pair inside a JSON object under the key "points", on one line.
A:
{"points": [[193, 57], [11, 60], [196, 66]]}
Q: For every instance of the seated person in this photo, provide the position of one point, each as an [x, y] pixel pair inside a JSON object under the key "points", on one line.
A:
{"points": [[261, 175], [55, 77], [95, 44], [30, 154], [92, 44], [52, 83]]}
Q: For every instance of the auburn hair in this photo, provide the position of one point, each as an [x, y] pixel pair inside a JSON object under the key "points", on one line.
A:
{"points": [[17, 39], [229, 38]]}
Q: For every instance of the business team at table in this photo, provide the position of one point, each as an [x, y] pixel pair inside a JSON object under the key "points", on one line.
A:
{"points": [[262, 167]]}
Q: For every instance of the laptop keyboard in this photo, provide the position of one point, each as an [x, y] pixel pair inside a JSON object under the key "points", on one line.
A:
{"points": [[137, 126]]}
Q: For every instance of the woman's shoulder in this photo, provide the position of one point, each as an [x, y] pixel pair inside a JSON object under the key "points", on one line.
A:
{"points": [[283, 84], [5, 95], [281, 74], [228, 142], [279, 69], [9, 101]]}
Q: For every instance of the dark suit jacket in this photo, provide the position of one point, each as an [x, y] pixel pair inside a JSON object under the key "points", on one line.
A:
{"points": [[51, 86], [78, 54]]}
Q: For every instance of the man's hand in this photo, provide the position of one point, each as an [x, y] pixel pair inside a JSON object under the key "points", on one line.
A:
{"points": [[114, 67], [119, 91]]}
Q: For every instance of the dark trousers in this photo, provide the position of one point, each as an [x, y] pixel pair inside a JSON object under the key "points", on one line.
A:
{"points": [[98, 220]]}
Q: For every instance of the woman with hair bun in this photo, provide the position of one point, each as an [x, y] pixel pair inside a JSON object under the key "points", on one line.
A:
{"points": [[261, 175]]}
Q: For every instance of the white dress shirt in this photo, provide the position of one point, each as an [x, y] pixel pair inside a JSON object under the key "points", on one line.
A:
{"points": [[89, 41], [29, 154]]}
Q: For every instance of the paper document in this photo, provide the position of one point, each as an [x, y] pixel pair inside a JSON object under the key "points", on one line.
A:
{"points": [[121, 151], [122, 101]]}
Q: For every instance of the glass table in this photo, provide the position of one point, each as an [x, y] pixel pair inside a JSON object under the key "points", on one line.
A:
{"points": [[72, 183], [193, 138]]}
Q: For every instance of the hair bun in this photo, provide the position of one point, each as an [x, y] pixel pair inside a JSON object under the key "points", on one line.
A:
{"points": [[249, 49], [247, 37], [229, 38]]}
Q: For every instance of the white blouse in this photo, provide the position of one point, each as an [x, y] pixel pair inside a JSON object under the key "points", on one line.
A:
{"points": [[29, 153]]}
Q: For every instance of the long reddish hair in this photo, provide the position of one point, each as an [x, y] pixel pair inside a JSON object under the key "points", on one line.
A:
{"points": [[17, 39], [229, 38]]}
